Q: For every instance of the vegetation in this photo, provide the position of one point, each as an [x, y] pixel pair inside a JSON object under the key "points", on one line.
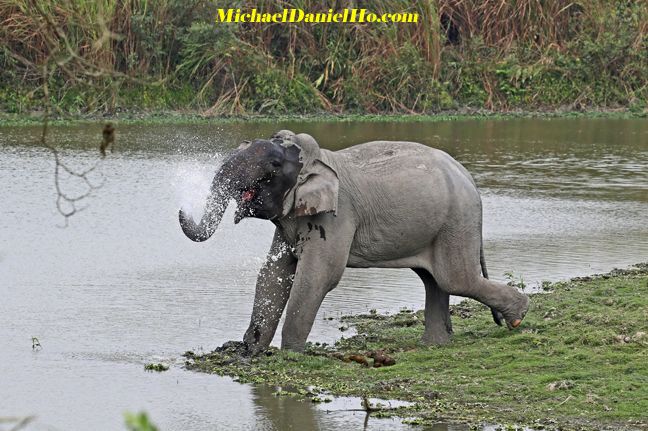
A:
{"points": [[580, 361], [159, 367], [138, 422], [112, 56]]}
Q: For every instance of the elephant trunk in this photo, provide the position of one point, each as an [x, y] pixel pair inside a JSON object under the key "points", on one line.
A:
{"points": [[214, 210], [221, 192]]}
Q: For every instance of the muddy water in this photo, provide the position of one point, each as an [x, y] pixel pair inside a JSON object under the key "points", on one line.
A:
{"points": [[121, 286]]}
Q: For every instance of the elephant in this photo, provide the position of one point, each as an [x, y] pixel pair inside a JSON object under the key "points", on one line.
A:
{"points": [[380, 204]]}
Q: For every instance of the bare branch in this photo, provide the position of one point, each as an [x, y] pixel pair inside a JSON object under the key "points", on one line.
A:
{"points": [[65, 60], [66, 204], [18, 423]]}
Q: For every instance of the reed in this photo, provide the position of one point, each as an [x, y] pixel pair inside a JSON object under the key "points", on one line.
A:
{"points": [[160, 54]]}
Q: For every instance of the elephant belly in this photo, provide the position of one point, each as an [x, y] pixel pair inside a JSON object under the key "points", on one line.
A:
{"points": [[399, 234], [394, 245], [420, 260]]}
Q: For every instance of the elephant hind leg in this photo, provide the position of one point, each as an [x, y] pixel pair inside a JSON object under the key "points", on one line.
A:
{"points": [[497, 316], [457, 271], [438, 327]]}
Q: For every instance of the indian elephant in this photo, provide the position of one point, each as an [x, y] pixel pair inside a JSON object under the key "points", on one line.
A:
{"points": [[379, 204]]}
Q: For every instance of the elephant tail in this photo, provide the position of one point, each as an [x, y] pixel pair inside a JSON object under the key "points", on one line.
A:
{"points": [[497, 316], [482, 261]]}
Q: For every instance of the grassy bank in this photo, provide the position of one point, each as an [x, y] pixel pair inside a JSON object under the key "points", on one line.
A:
{"points": [[195, 117], [114, 56], [579, 361]]}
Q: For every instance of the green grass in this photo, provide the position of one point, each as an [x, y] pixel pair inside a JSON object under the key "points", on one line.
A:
{"points": [[579, 361]]}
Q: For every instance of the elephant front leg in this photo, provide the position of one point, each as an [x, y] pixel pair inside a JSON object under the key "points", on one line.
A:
{"points": [[322, 260], [272, 291], [308, 292], [438, 326]]}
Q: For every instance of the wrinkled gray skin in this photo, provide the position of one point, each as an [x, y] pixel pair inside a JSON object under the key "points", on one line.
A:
{"points": [[375, 205]]}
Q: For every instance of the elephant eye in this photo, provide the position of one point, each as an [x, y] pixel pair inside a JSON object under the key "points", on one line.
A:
{"points": [[267, 177], [275, 163]]}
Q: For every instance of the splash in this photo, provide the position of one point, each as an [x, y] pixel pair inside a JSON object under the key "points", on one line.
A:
{"points": [[192, 181]]}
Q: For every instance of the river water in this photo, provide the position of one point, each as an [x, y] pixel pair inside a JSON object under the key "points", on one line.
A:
{"points": [[121, 286]]}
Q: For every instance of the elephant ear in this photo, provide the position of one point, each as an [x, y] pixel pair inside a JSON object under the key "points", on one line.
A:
{"points": [[317, 190], [317, 185]]}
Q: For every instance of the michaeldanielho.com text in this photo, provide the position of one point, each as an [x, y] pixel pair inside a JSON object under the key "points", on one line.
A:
{"points": [[299, 15]]}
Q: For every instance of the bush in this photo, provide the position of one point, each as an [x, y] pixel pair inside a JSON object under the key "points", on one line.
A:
{"points": [[171, 54]]}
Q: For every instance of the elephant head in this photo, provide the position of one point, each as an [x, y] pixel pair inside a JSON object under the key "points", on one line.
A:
{"points": [[268, 179]]}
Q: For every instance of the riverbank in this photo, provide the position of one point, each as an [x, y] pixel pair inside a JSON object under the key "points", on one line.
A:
{"points": [[579, 361], [174, 55], [197, 117]]}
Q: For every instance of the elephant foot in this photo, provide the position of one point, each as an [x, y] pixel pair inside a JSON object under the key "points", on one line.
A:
{"points": [[514, 319], [297, 346], [437, 338], [514, 324], [235, 348]]}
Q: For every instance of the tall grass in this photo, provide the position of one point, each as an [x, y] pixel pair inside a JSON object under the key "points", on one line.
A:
{"points": [[116, 54]]}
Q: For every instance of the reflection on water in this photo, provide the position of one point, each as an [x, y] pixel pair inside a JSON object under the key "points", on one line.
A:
{"points": [[285, 412], [122, 286]]}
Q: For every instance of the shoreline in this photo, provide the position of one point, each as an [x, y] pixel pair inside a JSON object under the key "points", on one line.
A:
{"points": [[579, 361], [197, 117]]}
